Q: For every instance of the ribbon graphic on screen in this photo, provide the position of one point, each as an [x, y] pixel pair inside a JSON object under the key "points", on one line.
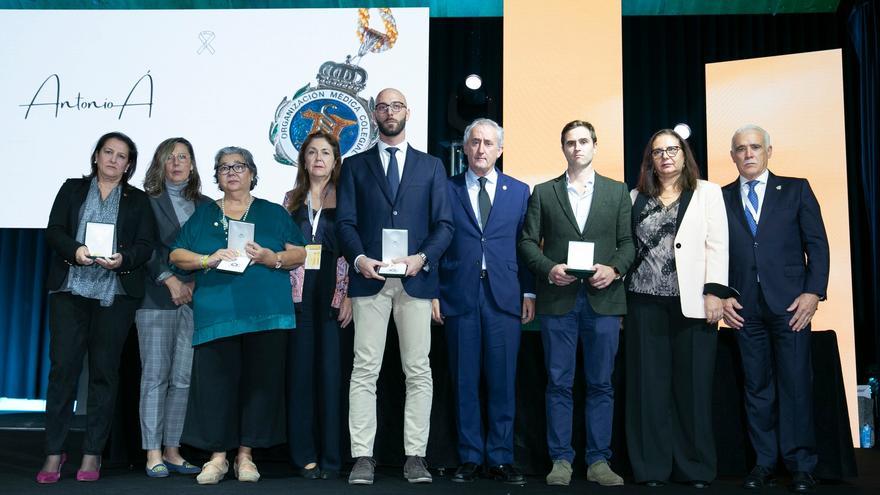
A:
{"points": [[206, 37]]}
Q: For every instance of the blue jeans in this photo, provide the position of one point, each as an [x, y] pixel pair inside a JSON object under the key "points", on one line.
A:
{"points": [[599, 335]]}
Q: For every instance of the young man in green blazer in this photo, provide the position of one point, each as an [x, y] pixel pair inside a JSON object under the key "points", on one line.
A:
{"points": [[580, 205]]}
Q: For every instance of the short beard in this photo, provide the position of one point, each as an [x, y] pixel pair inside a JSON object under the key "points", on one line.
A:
{"points": [[389, 132]]}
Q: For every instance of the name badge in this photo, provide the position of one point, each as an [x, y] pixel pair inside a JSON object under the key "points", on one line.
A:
{"points": [[313, 257]]}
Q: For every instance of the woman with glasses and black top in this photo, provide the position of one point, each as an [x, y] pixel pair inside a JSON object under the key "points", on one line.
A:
{"points": [[241, 320], [674, 294]]}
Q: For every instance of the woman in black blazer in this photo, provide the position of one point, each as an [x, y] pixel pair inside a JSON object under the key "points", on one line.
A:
{"points": [[92, 301]]}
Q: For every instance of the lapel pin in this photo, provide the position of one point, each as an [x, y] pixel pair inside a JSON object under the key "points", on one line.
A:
{"points": [[215, 224], [504, 187], [778, 188]]}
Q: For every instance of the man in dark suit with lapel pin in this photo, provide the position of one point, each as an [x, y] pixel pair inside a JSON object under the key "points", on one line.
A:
{"points": [[392, 186], [485, 297], [583, 206], [779, 263]]}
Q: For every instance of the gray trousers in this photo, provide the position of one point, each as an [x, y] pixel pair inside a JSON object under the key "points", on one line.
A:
{"points": [[165, 338]]}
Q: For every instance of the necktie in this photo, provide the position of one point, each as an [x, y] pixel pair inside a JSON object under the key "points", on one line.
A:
{"points": [[393, 174], [752, 196], [483, 203]]}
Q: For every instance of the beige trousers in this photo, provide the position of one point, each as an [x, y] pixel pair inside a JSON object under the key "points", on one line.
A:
{"points": [[413, 319]]}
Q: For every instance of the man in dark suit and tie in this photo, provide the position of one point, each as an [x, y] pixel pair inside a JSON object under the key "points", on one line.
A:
{"points": [[482, 303], [392, 186], [583, 206], [779, 263]]}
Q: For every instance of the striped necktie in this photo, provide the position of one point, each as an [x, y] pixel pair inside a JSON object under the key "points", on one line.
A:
{"points": [[752, 196]]}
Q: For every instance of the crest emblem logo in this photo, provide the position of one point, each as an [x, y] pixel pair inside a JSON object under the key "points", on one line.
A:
{"points": [[333, 106]]}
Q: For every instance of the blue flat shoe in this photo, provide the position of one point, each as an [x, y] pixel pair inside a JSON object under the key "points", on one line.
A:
{"points": [[185, 468], [158, 471]]}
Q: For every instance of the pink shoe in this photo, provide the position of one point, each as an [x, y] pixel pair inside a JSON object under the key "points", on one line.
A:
{"points": [[48, 477], [89, 475]]}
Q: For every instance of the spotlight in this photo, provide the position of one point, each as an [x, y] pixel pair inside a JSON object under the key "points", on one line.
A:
{"points": [[682, 130], [473, 82]]}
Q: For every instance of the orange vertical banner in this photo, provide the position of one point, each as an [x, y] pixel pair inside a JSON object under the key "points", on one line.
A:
{"points": [[563, 60]]}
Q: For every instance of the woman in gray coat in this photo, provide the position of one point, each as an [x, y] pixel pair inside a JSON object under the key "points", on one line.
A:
{"points": [[165, 320]]}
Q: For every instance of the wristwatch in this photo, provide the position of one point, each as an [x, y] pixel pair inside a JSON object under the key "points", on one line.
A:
{"points": [[277, 261], [424, 258]]}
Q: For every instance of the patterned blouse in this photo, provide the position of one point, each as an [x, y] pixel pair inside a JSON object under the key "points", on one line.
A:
{"points": [[655, 272]]}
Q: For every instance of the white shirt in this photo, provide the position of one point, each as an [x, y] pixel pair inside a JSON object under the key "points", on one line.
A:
{"points": [[580, 203], [385, 157], [760, 189]]}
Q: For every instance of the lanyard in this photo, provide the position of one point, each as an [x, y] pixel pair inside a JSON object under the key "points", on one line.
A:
{"points": [[314, 218]]}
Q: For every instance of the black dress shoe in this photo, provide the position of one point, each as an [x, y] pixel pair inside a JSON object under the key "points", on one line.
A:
{"points": [[759, 476], [329, 474], [311, 473], [466, 473], [699, 484], [654, 483], [802, 482], [507, 473]]}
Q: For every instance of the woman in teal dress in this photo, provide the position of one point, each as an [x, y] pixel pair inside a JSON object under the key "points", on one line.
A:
{"points": [[241, 321]]}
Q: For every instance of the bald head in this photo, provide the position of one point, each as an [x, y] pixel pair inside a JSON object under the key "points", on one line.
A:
{"points": [[390, 94]]}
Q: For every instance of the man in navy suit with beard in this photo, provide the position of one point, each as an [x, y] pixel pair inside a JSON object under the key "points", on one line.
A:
{"points": [[392, 186], [485, 297], [779, 263]]}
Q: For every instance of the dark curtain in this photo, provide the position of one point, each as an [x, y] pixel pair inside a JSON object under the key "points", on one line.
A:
{"points": [[864, 22], [664, 57], [24, 330]]}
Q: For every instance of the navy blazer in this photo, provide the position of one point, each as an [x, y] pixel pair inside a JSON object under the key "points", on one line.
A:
{"points": [[460, 266], [135, 234], [790, 250], [364, 207]]}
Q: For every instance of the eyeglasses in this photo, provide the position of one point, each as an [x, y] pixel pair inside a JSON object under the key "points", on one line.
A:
{"points": [[394, 107], [181, 157], [671, 151], [235, 167]]}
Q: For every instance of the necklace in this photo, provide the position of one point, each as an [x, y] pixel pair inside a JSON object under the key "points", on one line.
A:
{"points": [[223, 214]]}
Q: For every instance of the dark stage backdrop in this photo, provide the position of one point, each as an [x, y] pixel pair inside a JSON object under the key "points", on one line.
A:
{"points": [[663, 84]]}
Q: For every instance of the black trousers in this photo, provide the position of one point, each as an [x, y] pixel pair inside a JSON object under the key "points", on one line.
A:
{"points": [[670, 365], [318, 368], [236, 392], [778, 370], [78, 325]]}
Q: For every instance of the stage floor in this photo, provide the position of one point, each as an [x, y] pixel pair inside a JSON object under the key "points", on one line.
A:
{"points": [[21, 456]]}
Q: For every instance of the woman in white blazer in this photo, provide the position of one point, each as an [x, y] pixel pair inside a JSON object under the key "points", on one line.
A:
{"points": [[674, 294]]}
